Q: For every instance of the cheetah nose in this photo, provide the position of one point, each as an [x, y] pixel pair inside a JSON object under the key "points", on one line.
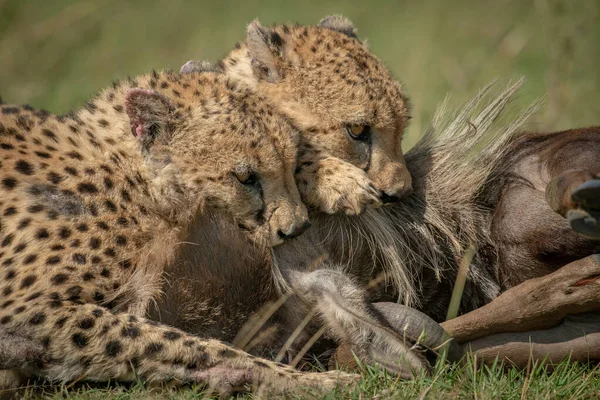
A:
{"points": [[295, 231], [395, 196]]}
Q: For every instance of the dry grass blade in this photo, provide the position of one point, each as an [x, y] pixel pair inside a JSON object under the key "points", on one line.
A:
{"points": [[294, 335], [313, 339], [459, 285], [254, 324]]}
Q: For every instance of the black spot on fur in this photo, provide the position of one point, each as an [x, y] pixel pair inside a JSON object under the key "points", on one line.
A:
{"points": [[79, 339], [24, 223], [73, 293], [71, 171], [30, 259], [171, 335], [98, 297], [88, 276], [42, 234], [95, 243], [36, 208], [7, 240], [79, 258], [50, 135], [43, 154], [82, 227], [37, 318], [59, 279], [153, 348], [64, 232], [55, 178], [110, 252], [86, 323], [24, 167], [10, 110], [108, 183], [87, 188], [97, 313], [53, 260], [75, 155], [9, 183], [130, 332], [110, 206], [125, 196], [121, 240], [28, 281], [10, 211]]}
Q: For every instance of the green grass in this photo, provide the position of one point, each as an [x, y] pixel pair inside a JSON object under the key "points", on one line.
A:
{"points": [[56, 54], [565, 381]]}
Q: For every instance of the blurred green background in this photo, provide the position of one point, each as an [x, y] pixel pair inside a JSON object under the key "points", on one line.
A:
{"points": [[57, 53]]}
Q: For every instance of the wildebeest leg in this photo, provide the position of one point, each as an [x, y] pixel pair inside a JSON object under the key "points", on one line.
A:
{"points": [[348, 317], [538, 303], [577, 338]]}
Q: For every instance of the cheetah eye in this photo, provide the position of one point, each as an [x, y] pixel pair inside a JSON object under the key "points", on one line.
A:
{"points": [[358, 132], [246, 178]]}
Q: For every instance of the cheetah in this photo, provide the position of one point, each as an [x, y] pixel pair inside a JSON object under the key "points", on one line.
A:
{"points": [[349, 109], [94, 205]]}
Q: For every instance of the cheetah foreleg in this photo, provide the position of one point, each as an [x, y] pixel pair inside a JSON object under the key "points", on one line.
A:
{"points": [[87, 342]]}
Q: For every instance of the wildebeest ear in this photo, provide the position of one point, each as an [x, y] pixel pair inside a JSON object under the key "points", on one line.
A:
{"points": [[198, 66], [264, 47], [150, 114], [340, 24]]}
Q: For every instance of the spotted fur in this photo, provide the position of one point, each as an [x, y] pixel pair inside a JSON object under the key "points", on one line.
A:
{"points": [[327, 81], [90, 215]]}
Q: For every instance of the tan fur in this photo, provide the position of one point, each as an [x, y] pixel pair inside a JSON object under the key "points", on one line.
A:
{"points": [[90, 217]]}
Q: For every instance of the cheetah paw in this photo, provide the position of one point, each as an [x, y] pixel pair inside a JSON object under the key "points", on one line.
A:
{"points": [[352, 194]]}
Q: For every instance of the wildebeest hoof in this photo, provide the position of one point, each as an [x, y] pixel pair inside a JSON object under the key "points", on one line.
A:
{"points": [[585, 219], [415, 330], [586, 223]]}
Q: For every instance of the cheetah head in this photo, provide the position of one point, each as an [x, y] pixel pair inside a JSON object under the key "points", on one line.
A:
{"points": [[341, 97], [212, 152]]}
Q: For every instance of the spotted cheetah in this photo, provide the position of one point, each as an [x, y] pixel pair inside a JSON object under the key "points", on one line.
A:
{"points": [[93, 205], [350, 110]]}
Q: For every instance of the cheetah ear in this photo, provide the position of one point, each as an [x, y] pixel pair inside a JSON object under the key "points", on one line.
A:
{"points": [[340, 24], [264, 47], [198, 66], [150, 115]]}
